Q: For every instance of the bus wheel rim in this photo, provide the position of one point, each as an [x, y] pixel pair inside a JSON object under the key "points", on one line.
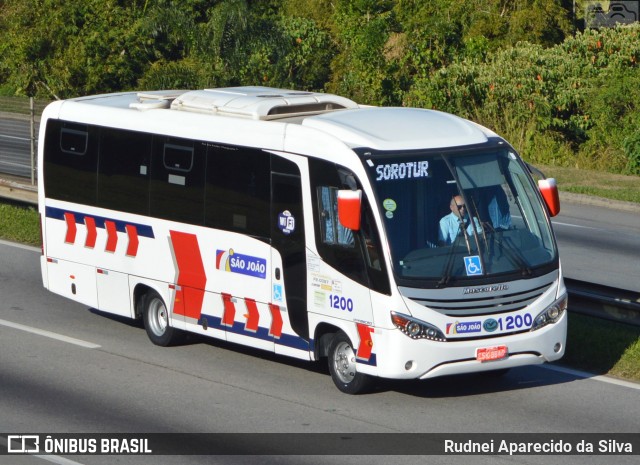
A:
{"points": [[159, 319], [344, 362]]}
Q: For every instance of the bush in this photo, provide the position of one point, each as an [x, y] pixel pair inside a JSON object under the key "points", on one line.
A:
{"points": [[578, 99]]}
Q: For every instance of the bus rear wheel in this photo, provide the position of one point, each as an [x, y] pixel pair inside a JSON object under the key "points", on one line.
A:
{"points": [[156, 321], [342, 366]]}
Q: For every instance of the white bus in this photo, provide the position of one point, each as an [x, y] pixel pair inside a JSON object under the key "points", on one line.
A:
{"points": [[303, 224]]}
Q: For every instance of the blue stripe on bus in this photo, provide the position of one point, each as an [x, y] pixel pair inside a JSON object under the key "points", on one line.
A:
{"points": [[58, 214], [288, 340], [372, 361]]}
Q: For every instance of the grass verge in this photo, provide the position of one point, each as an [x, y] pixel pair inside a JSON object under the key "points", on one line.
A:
{"points": [[595, 183], [603, 347], [19, 224], [594, 345]]}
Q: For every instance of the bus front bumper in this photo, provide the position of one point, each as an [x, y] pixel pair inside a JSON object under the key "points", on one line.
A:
{"points": [[423, 359]]}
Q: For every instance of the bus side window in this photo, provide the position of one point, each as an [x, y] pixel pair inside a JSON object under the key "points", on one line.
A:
{"points": [[356, 254], [379, 281], [332, 232], [70, 161], [123, 181], [177, 179], [238, 187]]}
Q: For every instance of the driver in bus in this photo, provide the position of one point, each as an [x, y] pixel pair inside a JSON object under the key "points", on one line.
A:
{"points": [[453, 223]]}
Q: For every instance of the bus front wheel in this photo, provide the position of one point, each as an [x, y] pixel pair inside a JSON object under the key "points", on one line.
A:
{"points": [[156, 321], [342, 366]]}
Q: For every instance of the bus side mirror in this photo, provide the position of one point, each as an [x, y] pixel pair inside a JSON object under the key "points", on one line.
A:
{"points": [[549, 190], [349, 208]]}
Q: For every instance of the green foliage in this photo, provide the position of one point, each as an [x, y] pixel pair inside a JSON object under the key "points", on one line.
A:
{"points": [[72, 46], [19, 224], [235, 45], [613, 105], [309, 53], [631, 146], [360, 68], [507, 22], [578, 99], [515, 66]]}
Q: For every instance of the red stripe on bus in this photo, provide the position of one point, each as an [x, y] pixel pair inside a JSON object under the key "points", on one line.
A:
{"points": [[253, 316], [276, 321], [132, 248], [366, 343], [92, 233], [229, 310], [70, 219], [191, 274], [112, 236]]}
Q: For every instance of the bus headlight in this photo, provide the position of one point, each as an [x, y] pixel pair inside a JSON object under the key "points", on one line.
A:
{"points": [[551, 314], [416, 329]]}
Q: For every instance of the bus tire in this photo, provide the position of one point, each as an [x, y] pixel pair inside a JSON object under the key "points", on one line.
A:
{"points": [[156, 320], [342, 366]]}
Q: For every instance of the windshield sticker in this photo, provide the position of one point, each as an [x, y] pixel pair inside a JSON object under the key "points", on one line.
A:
{"points": [[228, 260], [473, 265], [319, 299], [286, 222], [313, 264], [277, 293], [407, 170], [389, 205]]}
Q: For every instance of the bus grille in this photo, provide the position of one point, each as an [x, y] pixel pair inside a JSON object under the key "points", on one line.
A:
{"points": [[487, 305]]}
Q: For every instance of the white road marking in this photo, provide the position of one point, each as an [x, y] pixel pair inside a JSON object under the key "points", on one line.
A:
{"points": [[584, 374], [559, 223], [49, 334]]}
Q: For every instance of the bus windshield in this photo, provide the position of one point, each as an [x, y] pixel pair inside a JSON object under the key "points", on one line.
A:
{"points": [[459, 216]]}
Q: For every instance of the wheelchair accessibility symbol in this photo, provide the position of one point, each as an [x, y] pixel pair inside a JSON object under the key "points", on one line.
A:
{"points": [[472, 265]]}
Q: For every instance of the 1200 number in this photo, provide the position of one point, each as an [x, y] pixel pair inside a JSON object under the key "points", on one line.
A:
{"points": [[516, 322], [341, 303]]}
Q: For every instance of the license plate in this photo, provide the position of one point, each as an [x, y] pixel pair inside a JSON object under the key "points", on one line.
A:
{"points": [[488, 354]]}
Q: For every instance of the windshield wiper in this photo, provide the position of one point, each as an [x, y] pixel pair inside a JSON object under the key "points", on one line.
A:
{"points": [[446, 276], [511, 250]]}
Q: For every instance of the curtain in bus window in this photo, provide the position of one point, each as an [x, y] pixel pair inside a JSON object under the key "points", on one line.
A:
{"points": [[332, 231]]}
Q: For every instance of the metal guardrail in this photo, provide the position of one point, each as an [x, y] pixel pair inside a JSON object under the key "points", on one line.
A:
{"points": [[604, 302], [19, 124], [18, 189]]}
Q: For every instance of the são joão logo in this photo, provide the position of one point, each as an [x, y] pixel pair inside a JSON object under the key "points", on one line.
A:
{"points": [[229, 260]]}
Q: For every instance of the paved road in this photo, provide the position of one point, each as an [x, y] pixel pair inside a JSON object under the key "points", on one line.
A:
{"points": [[600, 244], [120, 382]]}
